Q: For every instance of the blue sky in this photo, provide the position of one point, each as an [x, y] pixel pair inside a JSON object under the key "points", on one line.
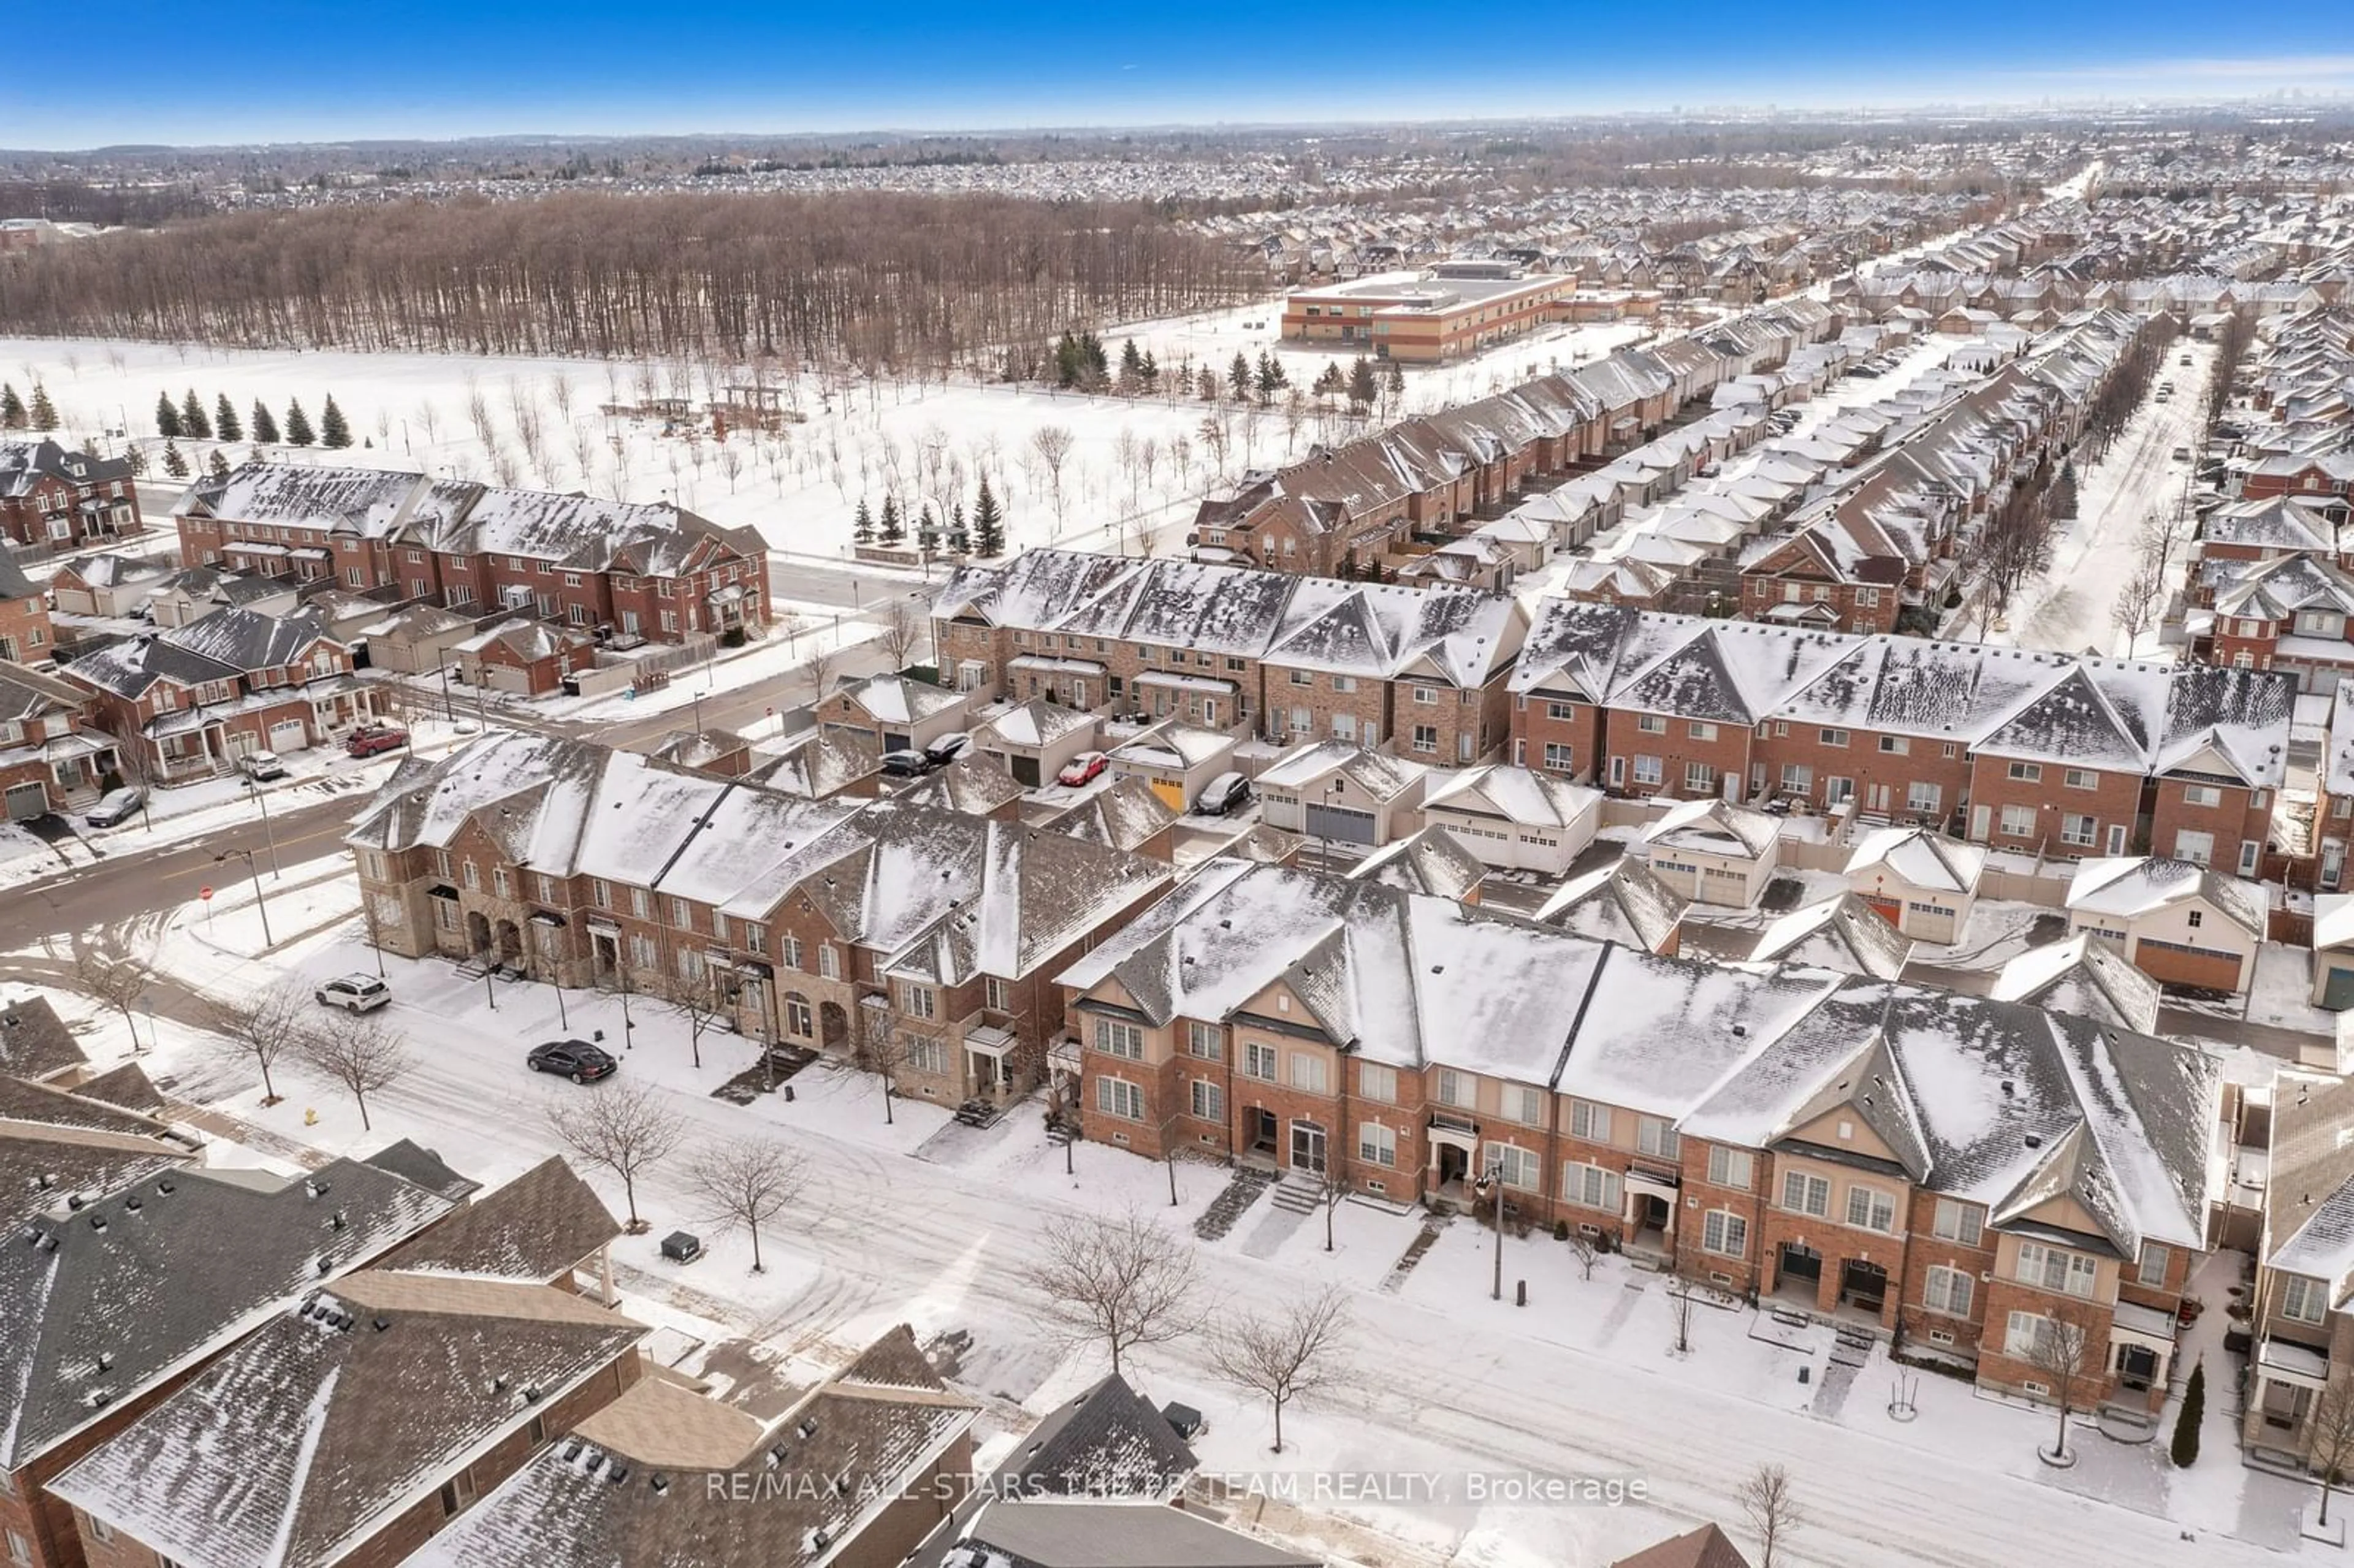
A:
{"points": [[272, 70]]}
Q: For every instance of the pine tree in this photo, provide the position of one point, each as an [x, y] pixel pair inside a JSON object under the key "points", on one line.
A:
{"points": [[226, 424], [1208, 384], [168, 418], [265, 424], [298, 423], [333, 431], [927, 530], [174, 463], [45, 413], [1271, 378], [1098, 363], [1131, 366], [218, 464], [1070, 360], [2186, 1422], [1149, 368], [193, 417], [12, 408], [1363, 391], [988, 524], [861, 523], [960, 534], [893, 530], [1238, 377], [1397, 379], [136, 460]]}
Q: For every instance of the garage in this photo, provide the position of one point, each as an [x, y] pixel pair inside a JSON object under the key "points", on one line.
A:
{"points": [[1024, 769], [2178, 963], [287, 735], [1340, 824], [1169, 792], [28, 800]]}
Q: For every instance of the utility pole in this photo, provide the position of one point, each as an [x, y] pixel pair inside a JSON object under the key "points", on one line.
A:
{"points": [[260, 901], [269, 837]]}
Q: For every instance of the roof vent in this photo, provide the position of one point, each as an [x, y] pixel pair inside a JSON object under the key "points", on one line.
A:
{"points": [[380, 1322], [2033, 1140], [134, 1204], [617, 1472], [658, 1481], [326, 1263], [106, 1361], [2008, 1087], [98, 1222], [807, 1429], [166, 1187]]}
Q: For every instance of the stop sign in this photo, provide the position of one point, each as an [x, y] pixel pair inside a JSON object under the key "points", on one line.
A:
{"points": [[205, 893]]}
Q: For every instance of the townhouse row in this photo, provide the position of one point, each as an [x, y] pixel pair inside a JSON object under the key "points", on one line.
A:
{"points": [[1934, 1167], [622, 569]]}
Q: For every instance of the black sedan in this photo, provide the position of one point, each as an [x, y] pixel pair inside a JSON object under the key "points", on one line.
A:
{"points": [[576, 1059]]}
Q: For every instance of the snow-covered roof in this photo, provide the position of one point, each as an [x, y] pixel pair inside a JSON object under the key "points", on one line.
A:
{"points": [[2130, 886], [1919, 859], [1527, 796], [2309, 1187], [2084, 974], [1714, 827], [1842, 933], [1625, 902], [1432, 861], [1382, 775]]}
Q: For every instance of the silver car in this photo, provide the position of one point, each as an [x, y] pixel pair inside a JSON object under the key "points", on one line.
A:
{"points": [[116, 806]]}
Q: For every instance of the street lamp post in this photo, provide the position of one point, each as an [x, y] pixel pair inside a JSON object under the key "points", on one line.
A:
{"points": [[1492, 1180], [268, 836], [260, 901]]}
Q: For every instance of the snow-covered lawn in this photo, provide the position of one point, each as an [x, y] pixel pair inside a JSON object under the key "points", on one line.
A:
{"points": [[923, 1220]]}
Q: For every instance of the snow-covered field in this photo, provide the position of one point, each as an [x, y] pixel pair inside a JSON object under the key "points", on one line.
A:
{"points": [[1132, 469], [923, 1220]]}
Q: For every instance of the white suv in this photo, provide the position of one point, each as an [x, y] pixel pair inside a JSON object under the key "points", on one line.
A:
{"points": [[355, 994]]}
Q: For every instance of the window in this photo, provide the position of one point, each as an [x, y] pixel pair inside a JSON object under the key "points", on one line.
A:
{"points": [[1805, 1194], [1700, 778], [1725, 1234], [1301, 678], [1557, 758], [1895, 745], [2085, 778], [923, 1002], [2056, 1268], [1344, 683], [1259, 1060], [719, 926], [1561, 710], [1947, 1290], [1957, 1222], [1116, 1037], [2017, 821], [470, 876], [1870, 1209], [1375, 1082], [1833, 737], [1209, 1101], [829, 961], [1797, 778], [1515, 1166], [1205, 1041], [1457, 1088], [2202, 795], [1525, 1105], [1425, 738], [2155, 1257], [1649, 771], [1425, 695], [1117, 1097], [1650, 723], [1376, 1144], [640, 905], [681, 913], [1589, 1122], [927, 1054], [1730, 1168], [1655, 1137], [2079, 830], [1590, 1186], [99, 1530], [1308, 1072], [2199, 849], [2027, 773], [1699, 730], [19, 1549], [1923, 797], [2304, 1300], [2026, 1335], [798, 1018], [790, 952], [2195, 918]]}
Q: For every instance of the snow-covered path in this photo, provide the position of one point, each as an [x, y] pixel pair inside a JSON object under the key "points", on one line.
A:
{"points": [[1442, 1377], [2069, 607]]}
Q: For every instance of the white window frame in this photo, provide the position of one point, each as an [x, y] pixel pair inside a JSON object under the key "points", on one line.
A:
{"points": [[1804, 1192], [1120, 1098], [1119, 1038], [1735, 1168], [1725, 1234]]}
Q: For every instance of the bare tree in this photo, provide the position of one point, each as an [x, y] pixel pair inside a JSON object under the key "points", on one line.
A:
{"points": [[1119, 1283], [2330, 1437], [1582, 1247], [1680, 1302], [819, 672], [731, 463], [899, 628], [1773, 1511], [744, 1184], [2140, 600], [1052, 443], [1283, 1354], [114, 980], [2062, 1352], [264, 1026], [883, 1047], [625, 1129], [703, 1002], [358, 1052]]}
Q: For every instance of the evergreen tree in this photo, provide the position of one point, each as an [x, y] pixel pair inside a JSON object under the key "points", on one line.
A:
{"points": [[1363, 390], [193, 417], [988, 524], [174, 463], [1131, 366], [1397, 379], [218, 465], [2186, 1422], [136, 460], [168, 418], [226, 424], [1238, 377], [1208, 384], [1098, 363], [927, 530], [45, 413], [333, 431], [959, 533], [1149, 368], [298, 423], [1271, 378], [893, 530], [265, 424], [861, 523], [1070, 360], [12, 408]]}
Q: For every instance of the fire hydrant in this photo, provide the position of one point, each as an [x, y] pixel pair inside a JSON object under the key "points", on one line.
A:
{"points": [[310, 1118]]}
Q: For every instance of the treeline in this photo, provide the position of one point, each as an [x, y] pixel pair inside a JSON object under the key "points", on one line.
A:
{"points": [[878, 280], [78, 201]]}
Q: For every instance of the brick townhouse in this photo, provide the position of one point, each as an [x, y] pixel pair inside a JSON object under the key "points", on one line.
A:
{"points": [[821, 924], [1421, 670], [624, 568], [54, 498], [185, 704], [1757, 1128], [49, 752], [26, 634], [119, 1300], [2302, 1328], [2041, 752]]}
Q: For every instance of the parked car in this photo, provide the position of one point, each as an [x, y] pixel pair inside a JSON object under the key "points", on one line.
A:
{"points": [[1228, 793], [949, 747], [1082, 768], [906, 764], [2181, 454], [355, 993], [115, 806], [575, 1059], [261, 766], [373, 739]]}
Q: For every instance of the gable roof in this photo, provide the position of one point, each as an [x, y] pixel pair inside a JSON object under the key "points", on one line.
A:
{"points": [[538, 1227], [1707, 1547], [1108, 1441], [1623, 903], [34, 1042], [1012, 1533], [2130, 886], [2083, 974]]}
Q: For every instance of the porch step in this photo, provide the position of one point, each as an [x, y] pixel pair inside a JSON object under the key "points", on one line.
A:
{"points": [[1300, 1194]]}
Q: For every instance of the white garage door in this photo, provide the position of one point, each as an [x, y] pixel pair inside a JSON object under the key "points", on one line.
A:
{"points": [[287, 737]]}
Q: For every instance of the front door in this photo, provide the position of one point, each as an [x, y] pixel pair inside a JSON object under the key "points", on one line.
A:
{"points": [[1263, 1130], [2136, 1365], [1863, 1286], [1801, 1265], [1453, 1164], [1308, 1148]]}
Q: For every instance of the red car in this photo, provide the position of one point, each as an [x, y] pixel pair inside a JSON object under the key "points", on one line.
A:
{"points": [[1082, 768], [369, 742]]}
